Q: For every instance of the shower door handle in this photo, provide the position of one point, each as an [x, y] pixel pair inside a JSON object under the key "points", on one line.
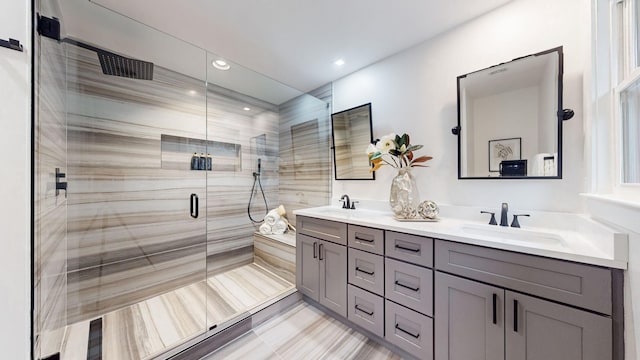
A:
{"points": [[194, 206]]}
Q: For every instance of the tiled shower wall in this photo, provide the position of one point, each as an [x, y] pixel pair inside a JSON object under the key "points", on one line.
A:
{"points": [[305, 151]]}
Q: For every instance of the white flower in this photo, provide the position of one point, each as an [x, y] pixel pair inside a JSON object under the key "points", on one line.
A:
{"points": [[386, 143], [371, 149]]}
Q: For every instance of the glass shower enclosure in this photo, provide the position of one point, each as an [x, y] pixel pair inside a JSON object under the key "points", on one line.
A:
{"points": [[145, 156]]}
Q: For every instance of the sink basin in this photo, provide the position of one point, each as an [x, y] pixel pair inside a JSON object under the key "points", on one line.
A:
{"points": [[513, 234]]}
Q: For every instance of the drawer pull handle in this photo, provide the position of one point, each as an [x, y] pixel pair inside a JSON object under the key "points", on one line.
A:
{"points": [[370, 273], [515, 315], [320, 252], [407, 286], [365, 240], [407, 249], [315, 249], [407, 332], [370, 313], [495, 305]]}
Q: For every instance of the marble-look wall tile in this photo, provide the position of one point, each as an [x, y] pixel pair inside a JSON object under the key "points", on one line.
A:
{"points": [[97, 290], [305, 162], [276, 256], [50, 231], [229, 230]]}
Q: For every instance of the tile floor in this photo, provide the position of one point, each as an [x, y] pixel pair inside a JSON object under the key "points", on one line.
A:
{"points": [[148, 328], [303, 332]]}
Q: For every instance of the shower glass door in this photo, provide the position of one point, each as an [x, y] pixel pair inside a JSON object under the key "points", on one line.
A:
{"points": [[125, 269], [137, 199]]}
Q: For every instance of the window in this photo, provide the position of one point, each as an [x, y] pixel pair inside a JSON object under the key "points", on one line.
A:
{"points": [[626, 53]]}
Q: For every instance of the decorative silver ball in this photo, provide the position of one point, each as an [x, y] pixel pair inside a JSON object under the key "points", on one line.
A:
{"points": [[409, 212], [428, 209]]}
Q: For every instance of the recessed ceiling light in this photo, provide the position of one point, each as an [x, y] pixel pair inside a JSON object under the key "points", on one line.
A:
{"points": [[192, 92], [246, 108], [220, 64], [339, 62]]}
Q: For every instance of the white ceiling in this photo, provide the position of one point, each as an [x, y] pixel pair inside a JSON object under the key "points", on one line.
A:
{"points": [[297, 41]]}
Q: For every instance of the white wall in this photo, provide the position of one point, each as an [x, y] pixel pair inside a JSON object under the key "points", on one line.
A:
{"points": [[15, 149], [415, 92]]}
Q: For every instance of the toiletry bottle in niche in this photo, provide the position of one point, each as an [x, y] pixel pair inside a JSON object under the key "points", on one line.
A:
{"points": [[202, 162], [195, 160], [209, 162]]}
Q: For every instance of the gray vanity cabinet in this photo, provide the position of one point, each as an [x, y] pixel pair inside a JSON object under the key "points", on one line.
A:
{"points": [[540, 329], [333, 276], [477, 320], [468, 326], [308, 267], [321, 262]]}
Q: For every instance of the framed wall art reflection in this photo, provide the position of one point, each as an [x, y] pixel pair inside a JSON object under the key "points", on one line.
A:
{"points": [[503, 149]]}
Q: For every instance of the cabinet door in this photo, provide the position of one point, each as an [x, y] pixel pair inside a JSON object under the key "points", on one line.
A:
{"points": [[541, 330], [469, 322], [333, 276], [307, 267]]}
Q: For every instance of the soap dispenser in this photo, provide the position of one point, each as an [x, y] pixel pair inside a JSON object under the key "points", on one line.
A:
{"points": [[195, 160], [202, 162], [209, 162]]}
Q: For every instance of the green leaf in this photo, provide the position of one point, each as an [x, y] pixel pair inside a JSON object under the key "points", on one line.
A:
{"points": [[405, 139], [414, 147], [375, 156]]}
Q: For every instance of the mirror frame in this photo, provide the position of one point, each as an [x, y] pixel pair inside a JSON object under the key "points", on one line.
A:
{"points": [[560, 113], [333, 141]]}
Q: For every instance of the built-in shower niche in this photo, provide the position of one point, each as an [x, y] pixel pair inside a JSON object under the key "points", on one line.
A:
{"points": [[177, 152]]}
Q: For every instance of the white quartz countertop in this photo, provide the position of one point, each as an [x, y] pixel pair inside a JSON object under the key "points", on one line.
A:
{"points": [[575, 238]]}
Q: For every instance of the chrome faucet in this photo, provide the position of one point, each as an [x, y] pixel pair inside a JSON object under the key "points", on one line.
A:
{"points": [[346, 203], [504, 221]]}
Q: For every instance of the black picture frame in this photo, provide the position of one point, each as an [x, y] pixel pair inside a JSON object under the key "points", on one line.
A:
{"points": [[503, 149]]}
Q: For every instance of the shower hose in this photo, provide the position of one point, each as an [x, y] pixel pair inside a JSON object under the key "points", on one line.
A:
{"points": [[256, 179]]}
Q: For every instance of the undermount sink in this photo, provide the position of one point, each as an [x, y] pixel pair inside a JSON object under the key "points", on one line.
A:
{"points": [[513, 234]]}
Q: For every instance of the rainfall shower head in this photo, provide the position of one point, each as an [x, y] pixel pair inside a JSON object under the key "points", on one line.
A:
{"points": [[118, 65]]}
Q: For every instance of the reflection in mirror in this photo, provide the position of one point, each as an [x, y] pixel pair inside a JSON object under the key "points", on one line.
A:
{"points": [[509, 119], [352, 132]]}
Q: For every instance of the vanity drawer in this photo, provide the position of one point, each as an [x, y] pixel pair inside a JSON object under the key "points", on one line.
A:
{"points": [[409, 285], [365, 238], [366, 309], [580, 285], [366, 270], [323, 229], [411, 248], [409, 330]]}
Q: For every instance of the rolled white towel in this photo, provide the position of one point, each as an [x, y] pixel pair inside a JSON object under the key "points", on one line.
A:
{"points": [[279, 227], [271, 218], [265, 229]]}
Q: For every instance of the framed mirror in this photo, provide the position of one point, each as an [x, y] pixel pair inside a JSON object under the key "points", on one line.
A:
{"points": [[510, 119], [352, 133]]}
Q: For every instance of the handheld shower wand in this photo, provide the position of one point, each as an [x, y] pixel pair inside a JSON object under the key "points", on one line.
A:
{"points": [[259, 167], [256, 178]]}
